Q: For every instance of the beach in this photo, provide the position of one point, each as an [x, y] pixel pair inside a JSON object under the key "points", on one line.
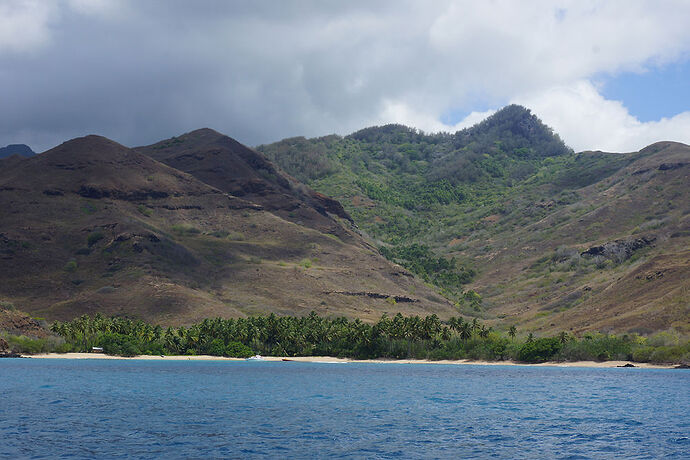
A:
{"points": [[333, 360]]}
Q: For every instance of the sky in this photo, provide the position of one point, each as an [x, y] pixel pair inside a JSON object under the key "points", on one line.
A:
{"points": [[611, 76]]}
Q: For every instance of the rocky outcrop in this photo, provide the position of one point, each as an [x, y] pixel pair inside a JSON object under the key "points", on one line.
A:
{"points": [[17, 323], [376, 295], [618, 250], [138, 195], [671, 166], [330, 205]]}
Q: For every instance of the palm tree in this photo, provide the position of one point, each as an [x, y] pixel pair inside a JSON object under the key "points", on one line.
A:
{"points": [[484, 332], [445, 333], [512, 332], [465, 331]]}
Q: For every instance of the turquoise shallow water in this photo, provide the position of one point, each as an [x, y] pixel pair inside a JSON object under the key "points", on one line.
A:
{"points": [[193, 409]]}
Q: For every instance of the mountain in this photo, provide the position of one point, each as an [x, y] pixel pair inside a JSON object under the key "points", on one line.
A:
{"points": [[21, 150], [224, 163], [93, 226], [514, 226]]}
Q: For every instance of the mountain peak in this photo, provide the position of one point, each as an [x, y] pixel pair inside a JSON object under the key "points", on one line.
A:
{"points": [[202, 133], [16, 149], [234, 168], [512, 129]]}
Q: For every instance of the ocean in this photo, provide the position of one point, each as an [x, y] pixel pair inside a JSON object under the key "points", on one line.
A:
{"points": [[209, 409]]}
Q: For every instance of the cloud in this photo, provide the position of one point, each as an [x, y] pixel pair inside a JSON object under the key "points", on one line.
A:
{"points": [[587, 121], [24, 25], [142, 71]]}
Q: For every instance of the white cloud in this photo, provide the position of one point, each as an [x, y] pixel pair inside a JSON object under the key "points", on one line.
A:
{"points": [[587, 121]]}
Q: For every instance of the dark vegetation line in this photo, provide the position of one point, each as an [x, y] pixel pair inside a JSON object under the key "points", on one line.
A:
{"points": [[397, 337]]}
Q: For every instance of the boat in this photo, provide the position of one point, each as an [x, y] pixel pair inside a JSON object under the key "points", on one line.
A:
{"points": [[255, 358]]}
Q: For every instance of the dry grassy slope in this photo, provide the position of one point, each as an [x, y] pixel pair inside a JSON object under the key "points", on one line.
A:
{"points": [[649, 292], [92, 226]]}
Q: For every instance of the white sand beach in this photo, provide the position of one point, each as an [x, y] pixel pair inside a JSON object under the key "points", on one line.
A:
{"points": [[332, 360]]}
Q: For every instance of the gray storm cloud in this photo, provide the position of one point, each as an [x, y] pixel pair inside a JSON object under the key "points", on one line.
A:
{"points": [[138, 72]]}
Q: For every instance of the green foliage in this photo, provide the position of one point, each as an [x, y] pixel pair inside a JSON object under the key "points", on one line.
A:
{"points": [[28, 345], [118, 344], [185, 230], [539, 350], [413, 195], [419, 259], [145, 210], [306, 263], [238, 350], [414, 192], [70, 266], [396, 337], [94, 237]]}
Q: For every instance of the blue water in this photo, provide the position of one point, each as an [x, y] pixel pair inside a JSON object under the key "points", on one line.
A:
{"points": [[193, 409]]}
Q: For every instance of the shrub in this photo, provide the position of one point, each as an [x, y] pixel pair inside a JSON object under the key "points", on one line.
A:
{"points": [[70, 266], [118, 344], [238, 350], [183, 229], [94, 238], [144, 210], [306, 263], [23, 344], [539, 350], [215, 348]]}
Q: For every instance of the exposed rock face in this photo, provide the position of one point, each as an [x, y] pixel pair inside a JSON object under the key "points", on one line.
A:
{"points": [[671, 166], [376, 295], [618, 250], [329, 205], [17, 323]]}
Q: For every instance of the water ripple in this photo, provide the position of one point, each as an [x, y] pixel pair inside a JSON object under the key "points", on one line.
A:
{"points": [[138, 409]]}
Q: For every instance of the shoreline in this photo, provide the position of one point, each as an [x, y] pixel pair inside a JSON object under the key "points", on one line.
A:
{"points": [[332, 360]]}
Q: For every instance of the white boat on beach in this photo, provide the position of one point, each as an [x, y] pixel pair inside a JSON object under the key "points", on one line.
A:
{"points": [[255, 358]]}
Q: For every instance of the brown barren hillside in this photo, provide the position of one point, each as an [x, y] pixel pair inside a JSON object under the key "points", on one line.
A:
{"points": [[92, 226], [617, 259]]}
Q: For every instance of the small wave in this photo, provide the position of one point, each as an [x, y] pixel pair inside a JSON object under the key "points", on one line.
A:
{"points": [[681, 440]]}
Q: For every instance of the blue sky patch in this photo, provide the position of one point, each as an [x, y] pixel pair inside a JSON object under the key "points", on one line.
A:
{"points": [[661, 92]]}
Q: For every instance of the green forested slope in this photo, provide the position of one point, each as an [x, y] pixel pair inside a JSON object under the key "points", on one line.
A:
{"points": [[506, 209], [407, 190]]}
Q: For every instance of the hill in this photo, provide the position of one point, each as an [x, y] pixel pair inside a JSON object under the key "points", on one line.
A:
{"points": [[21, 150], [92, 226], [515, 227], [227, 165]]}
